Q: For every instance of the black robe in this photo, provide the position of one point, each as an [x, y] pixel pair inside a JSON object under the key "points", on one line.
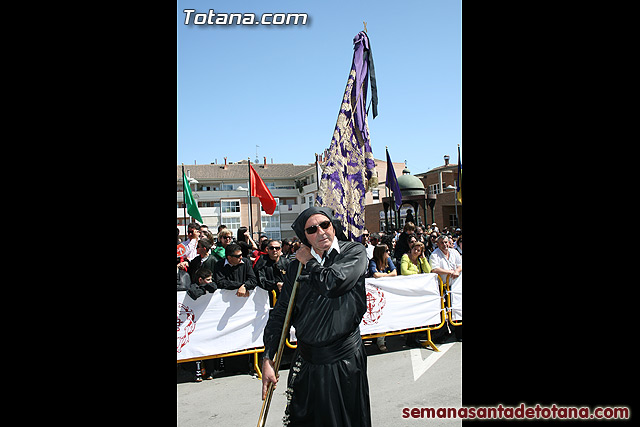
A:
{"points": [[269, 272], [327, 384], [233, 276]]}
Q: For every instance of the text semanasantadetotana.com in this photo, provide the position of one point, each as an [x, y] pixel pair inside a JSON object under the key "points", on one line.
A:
{"points": [[520, 412]]}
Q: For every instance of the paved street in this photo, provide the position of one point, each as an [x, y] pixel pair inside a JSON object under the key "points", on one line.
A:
{"points": [[400, 378]]}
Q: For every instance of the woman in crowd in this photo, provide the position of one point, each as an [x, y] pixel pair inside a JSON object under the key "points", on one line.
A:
{"points": [[243, 235], [414, 262], [381, 264]]}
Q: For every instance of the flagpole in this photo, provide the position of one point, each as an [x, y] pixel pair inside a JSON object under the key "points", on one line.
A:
{"points": [[456, 197], [317, 181], [184, 203], [250, 204], [386, 194], [317, 177]]}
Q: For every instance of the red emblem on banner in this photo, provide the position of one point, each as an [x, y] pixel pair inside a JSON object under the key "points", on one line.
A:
{"points": [[181, 250], [186, 325], [375, 303]]}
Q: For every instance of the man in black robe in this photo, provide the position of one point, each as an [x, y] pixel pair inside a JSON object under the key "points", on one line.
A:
{"points": [[271, 268], [235, 272], [327, 384]]}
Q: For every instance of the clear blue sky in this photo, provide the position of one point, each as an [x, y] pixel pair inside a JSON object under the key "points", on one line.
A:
{"points": [[280, 87]]}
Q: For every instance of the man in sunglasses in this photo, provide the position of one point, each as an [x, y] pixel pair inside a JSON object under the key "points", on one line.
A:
{"points": [[327, 382], [235, 272], [270, 269]]}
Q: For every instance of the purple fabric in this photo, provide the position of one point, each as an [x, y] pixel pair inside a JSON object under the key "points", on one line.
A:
{"points": [[360, 43], [392, 182], [349, 166]]}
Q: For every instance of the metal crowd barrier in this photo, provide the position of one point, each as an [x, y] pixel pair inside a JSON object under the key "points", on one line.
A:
{"points": [[445, 314], [449, 309]]}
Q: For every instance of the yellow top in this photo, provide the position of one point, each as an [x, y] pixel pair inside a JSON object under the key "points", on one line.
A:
{"points": [[407, 267]]}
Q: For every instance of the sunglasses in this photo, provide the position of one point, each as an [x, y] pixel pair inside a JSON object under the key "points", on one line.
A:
{"points": [[314, 228], [274, 248], [236, 256]]}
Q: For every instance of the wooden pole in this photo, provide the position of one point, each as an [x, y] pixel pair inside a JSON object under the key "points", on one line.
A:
{"points": [[250, 204], [276, 363], [184, 201]]}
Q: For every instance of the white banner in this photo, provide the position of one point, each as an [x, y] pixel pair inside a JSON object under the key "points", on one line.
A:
{"points": [[401, 302], [220, 322], [456, 297]]}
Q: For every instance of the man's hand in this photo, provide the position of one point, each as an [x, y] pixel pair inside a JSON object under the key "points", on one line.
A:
{"points": [[242, 292], [268, 376], [304, 254]]}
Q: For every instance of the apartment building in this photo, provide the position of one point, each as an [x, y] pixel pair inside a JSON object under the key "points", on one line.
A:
{"points": [[222, 193], [222, 190]]}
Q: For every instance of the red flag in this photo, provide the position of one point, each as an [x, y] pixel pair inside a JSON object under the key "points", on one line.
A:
{"points": [[259, 189]]}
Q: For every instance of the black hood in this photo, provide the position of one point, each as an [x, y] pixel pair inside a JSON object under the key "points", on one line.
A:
{"points": [[298, 224]]}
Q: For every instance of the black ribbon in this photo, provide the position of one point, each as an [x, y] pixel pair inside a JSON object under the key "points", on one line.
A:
{"points": [[368, 56]]}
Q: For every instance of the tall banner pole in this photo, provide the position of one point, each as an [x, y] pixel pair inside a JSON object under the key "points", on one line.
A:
{"points": [[184, 202], [250, 204]]}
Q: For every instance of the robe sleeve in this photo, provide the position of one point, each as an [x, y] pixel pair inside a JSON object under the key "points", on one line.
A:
{"points": [[222, 281], [273, 330], [250, 281], [341, 276]]}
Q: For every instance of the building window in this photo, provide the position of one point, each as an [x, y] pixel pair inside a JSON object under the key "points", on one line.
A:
{"points": [[434, 189], [275, 211], [232, 223], [270, 221], [453, 221], [230, 206], [273, 234], [376, 194]]}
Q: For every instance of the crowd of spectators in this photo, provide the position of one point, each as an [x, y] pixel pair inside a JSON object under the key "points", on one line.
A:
{"points": [[416, 250], [211, 262]]}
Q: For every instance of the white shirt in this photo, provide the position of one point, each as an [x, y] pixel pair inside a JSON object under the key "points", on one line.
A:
{"points": [[369, 252], [334, 245], [226, 261], [190, 245], [439, 260]]}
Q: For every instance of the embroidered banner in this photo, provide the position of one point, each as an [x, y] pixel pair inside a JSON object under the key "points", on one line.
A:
{"points": [[349, 170], [220, 322]]}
